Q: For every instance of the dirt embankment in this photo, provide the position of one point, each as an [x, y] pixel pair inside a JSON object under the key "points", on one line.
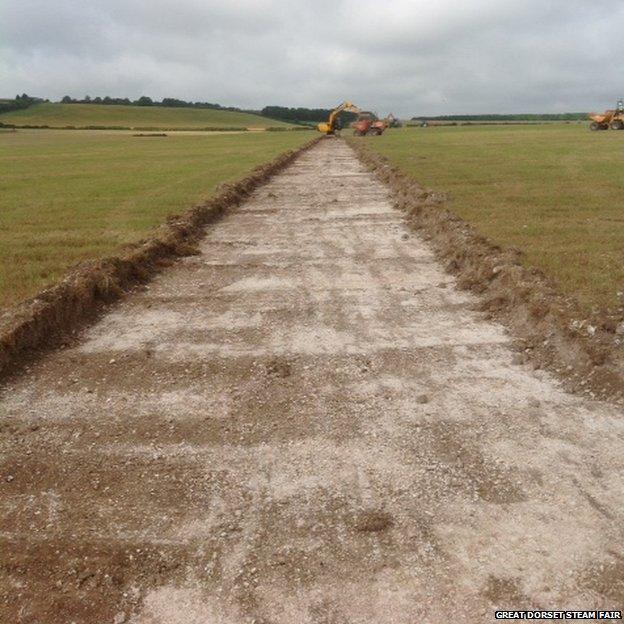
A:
{"points": [[554, 332], [45, 319]]}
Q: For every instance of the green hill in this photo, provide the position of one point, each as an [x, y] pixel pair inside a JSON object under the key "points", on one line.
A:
{"points": [[136, 117]]}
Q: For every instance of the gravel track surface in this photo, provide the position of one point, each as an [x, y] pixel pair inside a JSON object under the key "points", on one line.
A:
{"points": [[307, 423]]}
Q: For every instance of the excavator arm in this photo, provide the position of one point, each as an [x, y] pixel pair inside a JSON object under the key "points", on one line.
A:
{"points": [[329, 127]]}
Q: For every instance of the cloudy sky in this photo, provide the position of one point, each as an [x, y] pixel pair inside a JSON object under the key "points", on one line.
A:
{"points": [[418, 57]]}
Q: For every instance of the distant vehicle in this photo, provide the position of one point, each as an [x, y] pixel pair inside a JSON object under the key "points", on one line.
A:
{"points": [[393, 122], [368, 123], [613, 119]]}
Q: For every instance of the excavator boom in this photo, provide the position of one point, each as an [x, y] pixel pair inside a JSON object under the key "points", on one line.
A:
{"points": [[329, 127]]}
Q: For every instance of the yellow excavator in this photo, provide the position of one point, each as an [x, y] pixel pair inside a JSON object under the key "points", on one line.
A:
{"points": [[330, 126]]}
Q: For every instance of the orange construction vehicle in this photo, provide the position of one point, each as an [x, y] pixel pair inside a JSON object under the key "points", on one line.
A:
{"points": [[367, 123], [613, 119]]}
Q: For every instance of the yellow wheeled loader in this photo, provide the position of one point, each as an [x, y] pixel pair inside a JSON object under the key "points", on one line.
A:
{"points": [[613, 119]]}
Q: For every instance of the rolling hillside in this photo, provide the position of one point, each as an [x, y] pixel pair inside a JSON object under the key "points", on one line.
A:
{"points": [[83, 115]]}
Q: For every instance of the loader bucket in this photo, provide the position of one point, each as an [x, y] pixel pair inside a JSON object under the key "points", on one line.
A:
{"points": [[605, 118]]}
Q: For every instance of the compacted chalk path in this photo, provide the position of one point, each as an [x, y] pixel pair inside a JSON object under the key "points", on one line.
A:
{"points": [[307, 423]]}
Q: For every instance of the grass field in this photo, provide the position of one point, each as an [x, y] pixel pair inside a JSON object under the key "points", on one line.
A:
{"points": [[82, 115], [69, 196], [555, 191]]}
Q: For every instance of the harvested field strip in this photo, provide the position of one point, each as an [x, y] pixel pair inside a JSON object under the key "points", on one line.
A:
{"points": [[70, 197], [553, 329], [60, 308]]}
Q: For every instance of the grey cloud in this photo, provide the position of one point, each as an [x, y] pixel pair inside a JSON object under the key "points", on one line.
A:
{"points": [[409, 57]]}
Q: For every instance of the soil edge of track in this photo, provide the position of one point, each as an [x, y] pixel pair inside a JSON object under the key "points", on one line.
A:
{"points": [[551, 329], [50, 317]]}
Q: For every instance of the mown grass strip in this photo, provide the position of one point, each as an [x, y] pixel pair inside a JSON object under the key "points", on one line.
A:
{"points": [[68, 197], [554, 192]]}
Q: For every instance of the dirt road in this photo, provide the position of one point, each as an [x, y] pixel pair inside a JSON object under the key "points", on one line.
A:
{"points": [[307, 423]]}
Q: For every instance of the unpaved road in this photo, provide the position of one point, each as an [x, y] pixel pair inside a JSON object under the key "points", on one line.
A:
{"points": [[307, 423]]}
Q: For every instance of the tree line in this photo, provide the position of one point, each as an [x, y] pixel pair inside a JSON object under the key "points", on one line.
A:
{"points": [[273, 112], [144, 100], [19, 102], [296, 114], [283, 113], [500, 117]]}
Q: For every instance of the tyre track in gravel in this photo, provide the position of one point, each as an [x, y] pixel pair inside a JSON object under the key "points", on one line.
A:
{"points": [[307, 423]]}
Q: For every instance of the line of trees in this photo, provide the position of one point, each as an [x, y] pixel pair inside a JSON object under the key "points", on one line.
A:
{"points": [[19, 102], [283, 113], [516, 117], [295, 114], [144, 100], [302, 115]]}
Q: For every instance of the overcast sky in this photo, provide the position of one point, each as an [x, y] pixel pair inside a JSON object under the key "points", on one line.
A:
{"points": [[418, 57]]}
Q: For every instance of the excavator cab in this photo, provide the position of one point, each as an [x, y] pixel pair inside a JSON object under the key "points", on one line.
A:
{"points": [[333, 125]]}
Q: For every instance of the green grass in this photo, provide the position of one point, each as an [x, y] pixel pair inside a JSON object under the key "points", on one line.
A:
{"points": [[83, 115], [70, 196], [556, 192]]}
